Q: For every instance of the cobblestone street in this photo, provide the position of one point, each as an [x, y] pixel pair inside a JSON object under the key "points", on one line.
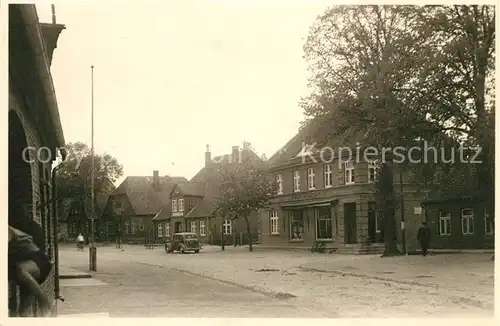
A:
{"points": [[142, 282]]}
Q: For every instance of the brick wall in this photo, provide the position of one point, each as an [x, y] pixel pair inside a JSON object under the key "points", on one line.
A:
{"points": [[44, 217]]}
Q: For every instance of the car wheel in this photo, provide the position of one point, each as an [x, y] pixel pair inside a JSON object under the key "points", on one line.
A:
{"points": [[196, 251]]}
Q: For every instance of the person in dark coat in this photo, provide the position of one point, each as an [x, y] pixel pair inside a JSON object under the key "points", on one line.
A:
{"points": [[28, 264], [424, 237]]}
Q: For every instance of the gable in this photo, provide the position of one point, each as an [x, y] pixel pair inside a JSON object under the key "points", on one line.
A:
{"points": [[176, 192]]}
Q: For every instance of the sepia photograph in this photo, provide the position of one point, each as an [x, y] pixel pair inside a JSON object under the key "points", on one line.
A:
{"points": [[250, 159]]}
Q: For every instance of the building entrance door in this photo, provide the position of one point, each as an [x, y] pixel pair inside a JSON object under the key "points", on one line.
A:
{"points": [[350, 223], [178, 227]]}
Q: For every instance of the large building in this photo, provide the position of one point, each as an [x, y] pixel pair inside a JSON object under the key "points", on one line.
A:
{"points": [[35, 132], [326, 196]]}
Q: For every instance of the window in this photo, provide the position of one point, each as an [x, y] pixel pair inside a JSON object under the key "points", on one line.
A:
{"points": [[444, 223], [274, 222], [372, 171], [488, 223], [328, 176], [310, 179], [297, 226], [181, 205], [467, 221], [279, 180], [174, 206], [324, 224], [117, 207], [141, 227], [296, 181], [193, 226], [349, 172], [160, 230], [202, 228], [132, 228], [127, 228], [227, 227], [167, 229]]}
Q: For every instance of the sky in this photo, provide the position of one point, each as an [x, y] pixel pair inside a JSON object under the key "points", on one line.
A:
{"points": [[171, 77]]}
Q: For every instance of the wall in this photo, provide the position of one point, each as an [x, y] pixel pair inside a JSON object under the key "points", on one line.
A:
{"points": [[238, 226], [44, 217]]}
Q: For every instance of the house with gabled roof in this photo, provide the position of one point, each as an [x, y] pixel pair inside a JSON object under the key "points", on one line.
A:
{"points": [[192, 205], [130, 209]]}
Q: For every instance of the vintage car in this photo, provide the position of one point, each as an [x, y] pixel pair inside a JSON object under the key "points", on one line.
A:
{"points": [[183, 242]]}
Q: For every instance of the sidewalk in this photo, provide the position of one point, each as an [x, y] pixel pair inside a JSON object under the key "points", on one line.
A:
{"points": [[66, 272]]}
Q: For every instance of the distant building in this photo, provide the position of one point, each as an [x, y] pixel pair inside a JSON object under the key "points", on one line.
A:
{"points": [[74, 216], [130, 209], [192, 205], [35, 131]]}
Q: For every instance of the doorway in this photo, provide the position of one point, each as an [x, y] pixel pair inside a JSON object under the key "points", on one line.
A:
{"points": [[350, 223], [178, 227]]}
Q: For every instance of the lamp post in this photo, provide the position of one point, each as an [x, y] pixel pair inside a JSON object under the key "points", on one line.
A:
{"points": [[92, 247]]}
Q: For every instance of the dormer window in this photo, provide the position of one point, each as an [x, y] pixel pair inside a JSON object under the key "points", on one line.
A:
{"points": [[117, 207], [174, 206], [181, 205]]}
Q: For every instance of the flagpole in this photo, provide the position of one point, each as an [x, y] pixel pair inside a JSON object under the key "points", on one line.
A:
{"points": [[92, 248]]}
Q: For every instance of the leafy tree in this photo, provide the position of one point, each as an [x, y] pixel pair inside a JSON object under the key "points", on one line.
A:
{"points": [[74, 176], [245, 187], [402, 75]]}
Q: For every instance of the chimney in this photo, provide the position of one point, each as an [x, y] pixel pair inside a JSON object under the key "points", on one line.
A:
{"points": [[235, 154], [53, 7], [156, 180], [208, 156]]}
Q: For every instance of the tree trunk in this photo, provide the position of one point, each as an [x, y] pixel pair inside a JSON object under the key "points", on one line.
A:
{"points": [[222, 237], [387, 200], [391, 248], [250, 248]]}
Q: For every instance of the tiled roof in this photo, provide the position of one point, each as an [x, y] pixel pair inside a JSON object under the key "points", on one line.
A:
{"points": [[145, 200], [205, 183], [192, 188], [460, 185], [204, 208], [209, 173], [287, 154]]}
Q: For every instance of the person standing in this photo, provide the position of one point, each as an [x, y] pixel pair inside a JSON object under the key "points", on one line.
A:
{"points": [[424, 237], [80, 241]]}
